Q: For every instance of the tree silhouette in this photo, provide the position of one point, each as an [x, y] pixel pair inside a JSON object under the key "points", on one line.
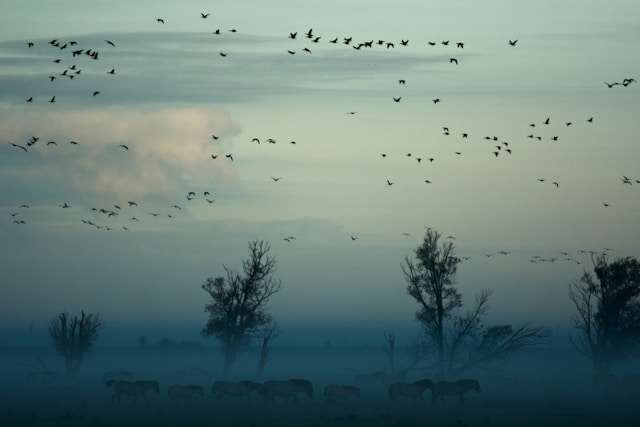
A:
{"points": [[74, 336], [608, 311], [237, 311], [390, 350], [266, 337], [461, 340]]}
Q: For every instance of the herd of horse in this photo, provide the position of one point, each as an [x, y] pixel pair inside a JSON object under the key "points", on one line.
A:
{"points": [[124, 386]]}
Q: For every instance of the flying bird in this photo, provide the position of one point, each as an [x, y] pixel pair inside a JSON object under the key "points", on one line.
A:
{"points": [[513, 43], [229, 156], [204, 15], [160, 20], [18, 146], [124, 147], [110, 43]]}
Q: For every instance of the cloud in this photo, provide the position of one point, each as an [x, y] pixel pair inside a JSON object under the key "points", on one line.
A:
{"points": [[167, 148]]}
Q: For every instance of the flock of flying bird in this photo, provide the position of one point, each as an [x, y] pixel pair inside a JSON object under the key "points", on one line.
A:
{"points": [[498, 146]]}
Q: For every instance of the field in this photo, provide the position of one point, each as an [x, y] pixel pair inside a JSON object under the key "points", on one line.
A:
{"points": [[525, 393]]}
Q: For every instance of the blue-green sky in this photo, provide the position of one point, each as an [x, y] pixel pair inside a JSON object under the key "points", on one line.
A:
{"points": [[172, 90]]}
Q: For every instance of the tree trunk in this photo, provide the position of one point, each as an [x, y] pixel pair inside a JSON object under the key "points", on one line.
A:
{"points": [[264, 356]]}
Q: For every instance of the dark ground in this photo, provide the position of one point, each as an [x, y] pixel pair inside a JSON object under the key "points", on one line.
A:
{"points": [[542, 388]]}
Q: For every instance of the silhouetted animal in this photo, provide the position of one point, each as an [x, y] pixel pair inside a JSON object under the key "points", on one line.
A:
{"points": [[286, 391], [458, 388], [413, 391], [132, 389], [244, 389]]}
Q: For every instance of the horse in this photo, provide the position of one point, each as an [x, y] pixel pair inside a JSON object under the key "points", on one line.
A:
{"points": [[132, 389], [413, 391], [289, 390], [221, 389], [458, 388]]}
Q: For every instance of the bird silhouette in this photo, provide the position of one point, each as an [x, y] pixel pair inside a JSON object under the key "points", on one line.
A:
{"points": [[436, 100], [132, 204], [18, 146], [30, 99], [292, 36], [353, 238], [204, 15], [96, 93], [74, 142], [160, 20], [404, 42], [291, 52], [389, 183], [213, 156], [224, 55], [402, 82], [611, 85], [124, 147], [397, 99], [276, 179], [113, 71], [334, 41], [460, 45], [65, 205], [229, 156], [52, 100], [109, 42], [215, 137], [453, 61], [513, 43], [445, 43]]}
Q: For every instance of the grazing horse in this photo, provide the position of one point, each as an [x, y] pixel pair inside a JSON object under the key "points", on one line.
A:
{"points": [[341, 393], [413, 391], [185, 393], [453, 388], [132, 389], [245, 389], [289, 390]]}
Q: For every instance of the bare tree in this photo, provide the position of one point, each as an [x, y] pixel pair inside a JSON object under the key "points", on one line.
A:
{"points": [[74, 336], [390, 339], [237, 311], [268, 335], [461, 341], [430, 277], [608, 311]]}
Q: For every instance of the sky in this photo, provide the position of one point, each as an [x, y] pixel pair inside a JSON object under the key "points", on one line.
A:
{"points": [[171, 90]]}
